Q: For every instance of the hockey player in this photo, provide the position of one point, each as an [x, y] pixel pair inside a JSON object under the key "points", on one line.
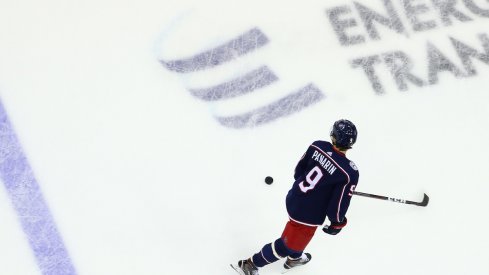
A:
{"points": [[324, 182]]}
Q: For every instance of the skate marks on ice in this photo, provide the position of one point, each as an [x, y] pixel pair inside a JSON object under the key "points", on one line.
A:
{"points": [[245, 76], [29, 204]]}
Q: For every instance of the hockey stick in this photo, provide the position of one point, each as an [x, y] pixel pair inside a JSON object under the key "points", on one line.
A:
{"points": [[423, 203]]}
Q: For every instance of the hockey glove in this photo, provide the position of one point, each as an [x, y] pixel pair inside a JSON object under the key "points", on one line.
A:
{"points": [[335, 227]]}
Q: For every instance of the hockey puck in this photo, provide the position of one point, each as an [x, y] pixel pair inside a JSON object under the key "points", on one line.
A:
{"points": [[268, 180]]}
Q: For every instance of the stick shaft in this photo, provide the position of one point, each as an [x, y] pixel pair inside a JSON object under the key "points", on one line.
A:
{"points": [[422, 203]]}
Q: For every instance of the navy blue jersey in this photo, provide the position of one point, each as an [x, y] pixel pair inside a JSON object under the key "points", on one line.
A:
{"points": [[324, 181]]}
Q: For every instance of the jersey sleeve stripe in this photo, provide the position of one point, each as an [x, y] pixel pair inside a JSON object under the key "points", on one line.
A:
{"points": [[347, 176]]}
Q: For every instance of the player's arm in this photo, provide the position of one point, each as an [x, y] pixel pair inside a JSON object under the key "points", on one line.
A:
{"points": [[300, 168], [338, 206]]}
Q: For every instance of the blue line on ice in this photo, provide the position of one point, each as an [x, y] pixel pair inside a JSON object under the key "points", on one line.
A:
{"points": [[31, 208]]}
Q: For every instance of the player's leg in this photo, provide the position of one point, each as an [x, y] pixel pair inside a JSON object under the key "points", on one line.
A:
{"points": [[294, 240], [296, 237], [270, 253]]}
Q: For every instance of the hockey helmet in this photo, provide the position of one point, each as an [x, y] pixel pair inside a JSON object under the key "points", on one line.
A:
{"points": [[343, 134]]}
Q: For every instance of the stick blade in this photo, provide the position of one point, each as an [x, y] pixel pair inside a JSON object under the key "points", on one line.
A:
{"points": [[425, 201]]}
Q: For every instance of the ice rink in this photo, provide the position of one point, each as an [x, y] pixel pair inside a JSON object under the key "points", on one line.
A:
{"points": [[135, 136]]}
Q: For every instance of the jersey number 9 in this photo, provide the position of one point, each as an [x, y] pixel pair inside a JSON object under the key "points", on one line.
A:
{"points": [[312, 178]]}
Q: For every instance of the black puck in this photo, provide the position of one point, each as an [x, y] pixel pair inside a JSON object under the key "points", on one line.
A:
{"points": [[269, 180]]}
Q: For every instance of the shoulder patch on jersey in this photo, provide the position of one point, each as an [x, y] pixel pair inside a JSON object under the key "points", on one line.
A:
{"points": [[353, 165]]}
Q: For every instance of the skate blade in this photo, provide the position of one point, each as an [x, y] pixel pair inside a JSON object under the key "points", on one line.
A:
{"points": [[237, 269]]}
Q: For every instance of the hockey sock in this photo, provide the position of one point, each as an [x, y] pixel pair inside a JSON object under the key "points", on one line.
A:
{"points": [[271, 252]]}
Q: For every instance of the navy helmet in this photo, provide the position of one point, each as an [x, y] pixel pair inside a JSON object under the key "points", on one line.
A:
{"points": [[343, 134]]}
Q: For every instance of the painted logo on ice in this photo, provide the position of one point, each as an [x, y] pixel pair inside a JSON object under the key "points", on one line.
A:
{"points": [[251, 70], [231, 69]]}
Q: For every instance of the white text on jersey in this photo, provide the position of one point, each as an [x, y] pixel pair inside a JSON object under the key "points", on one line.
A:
{"points": [[325, 163]]}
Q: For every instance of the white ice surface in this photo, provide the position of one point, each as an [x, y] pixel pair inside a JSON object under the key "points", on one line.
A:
{"points": [[141, 179]]}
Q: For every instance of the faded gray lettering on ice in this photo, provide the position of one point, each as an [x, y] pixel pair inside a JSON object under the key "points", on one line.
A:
{"points": [[357, 24]]}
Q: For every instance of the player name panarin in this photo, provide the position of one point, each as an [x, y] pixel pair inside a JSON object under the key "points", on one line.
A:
{"points": [[324, 161]]}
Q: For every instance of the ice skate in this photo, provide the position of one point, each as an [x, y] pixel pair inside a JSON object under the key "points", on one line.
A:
{"points": [[246, 267], [302, 260]]}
